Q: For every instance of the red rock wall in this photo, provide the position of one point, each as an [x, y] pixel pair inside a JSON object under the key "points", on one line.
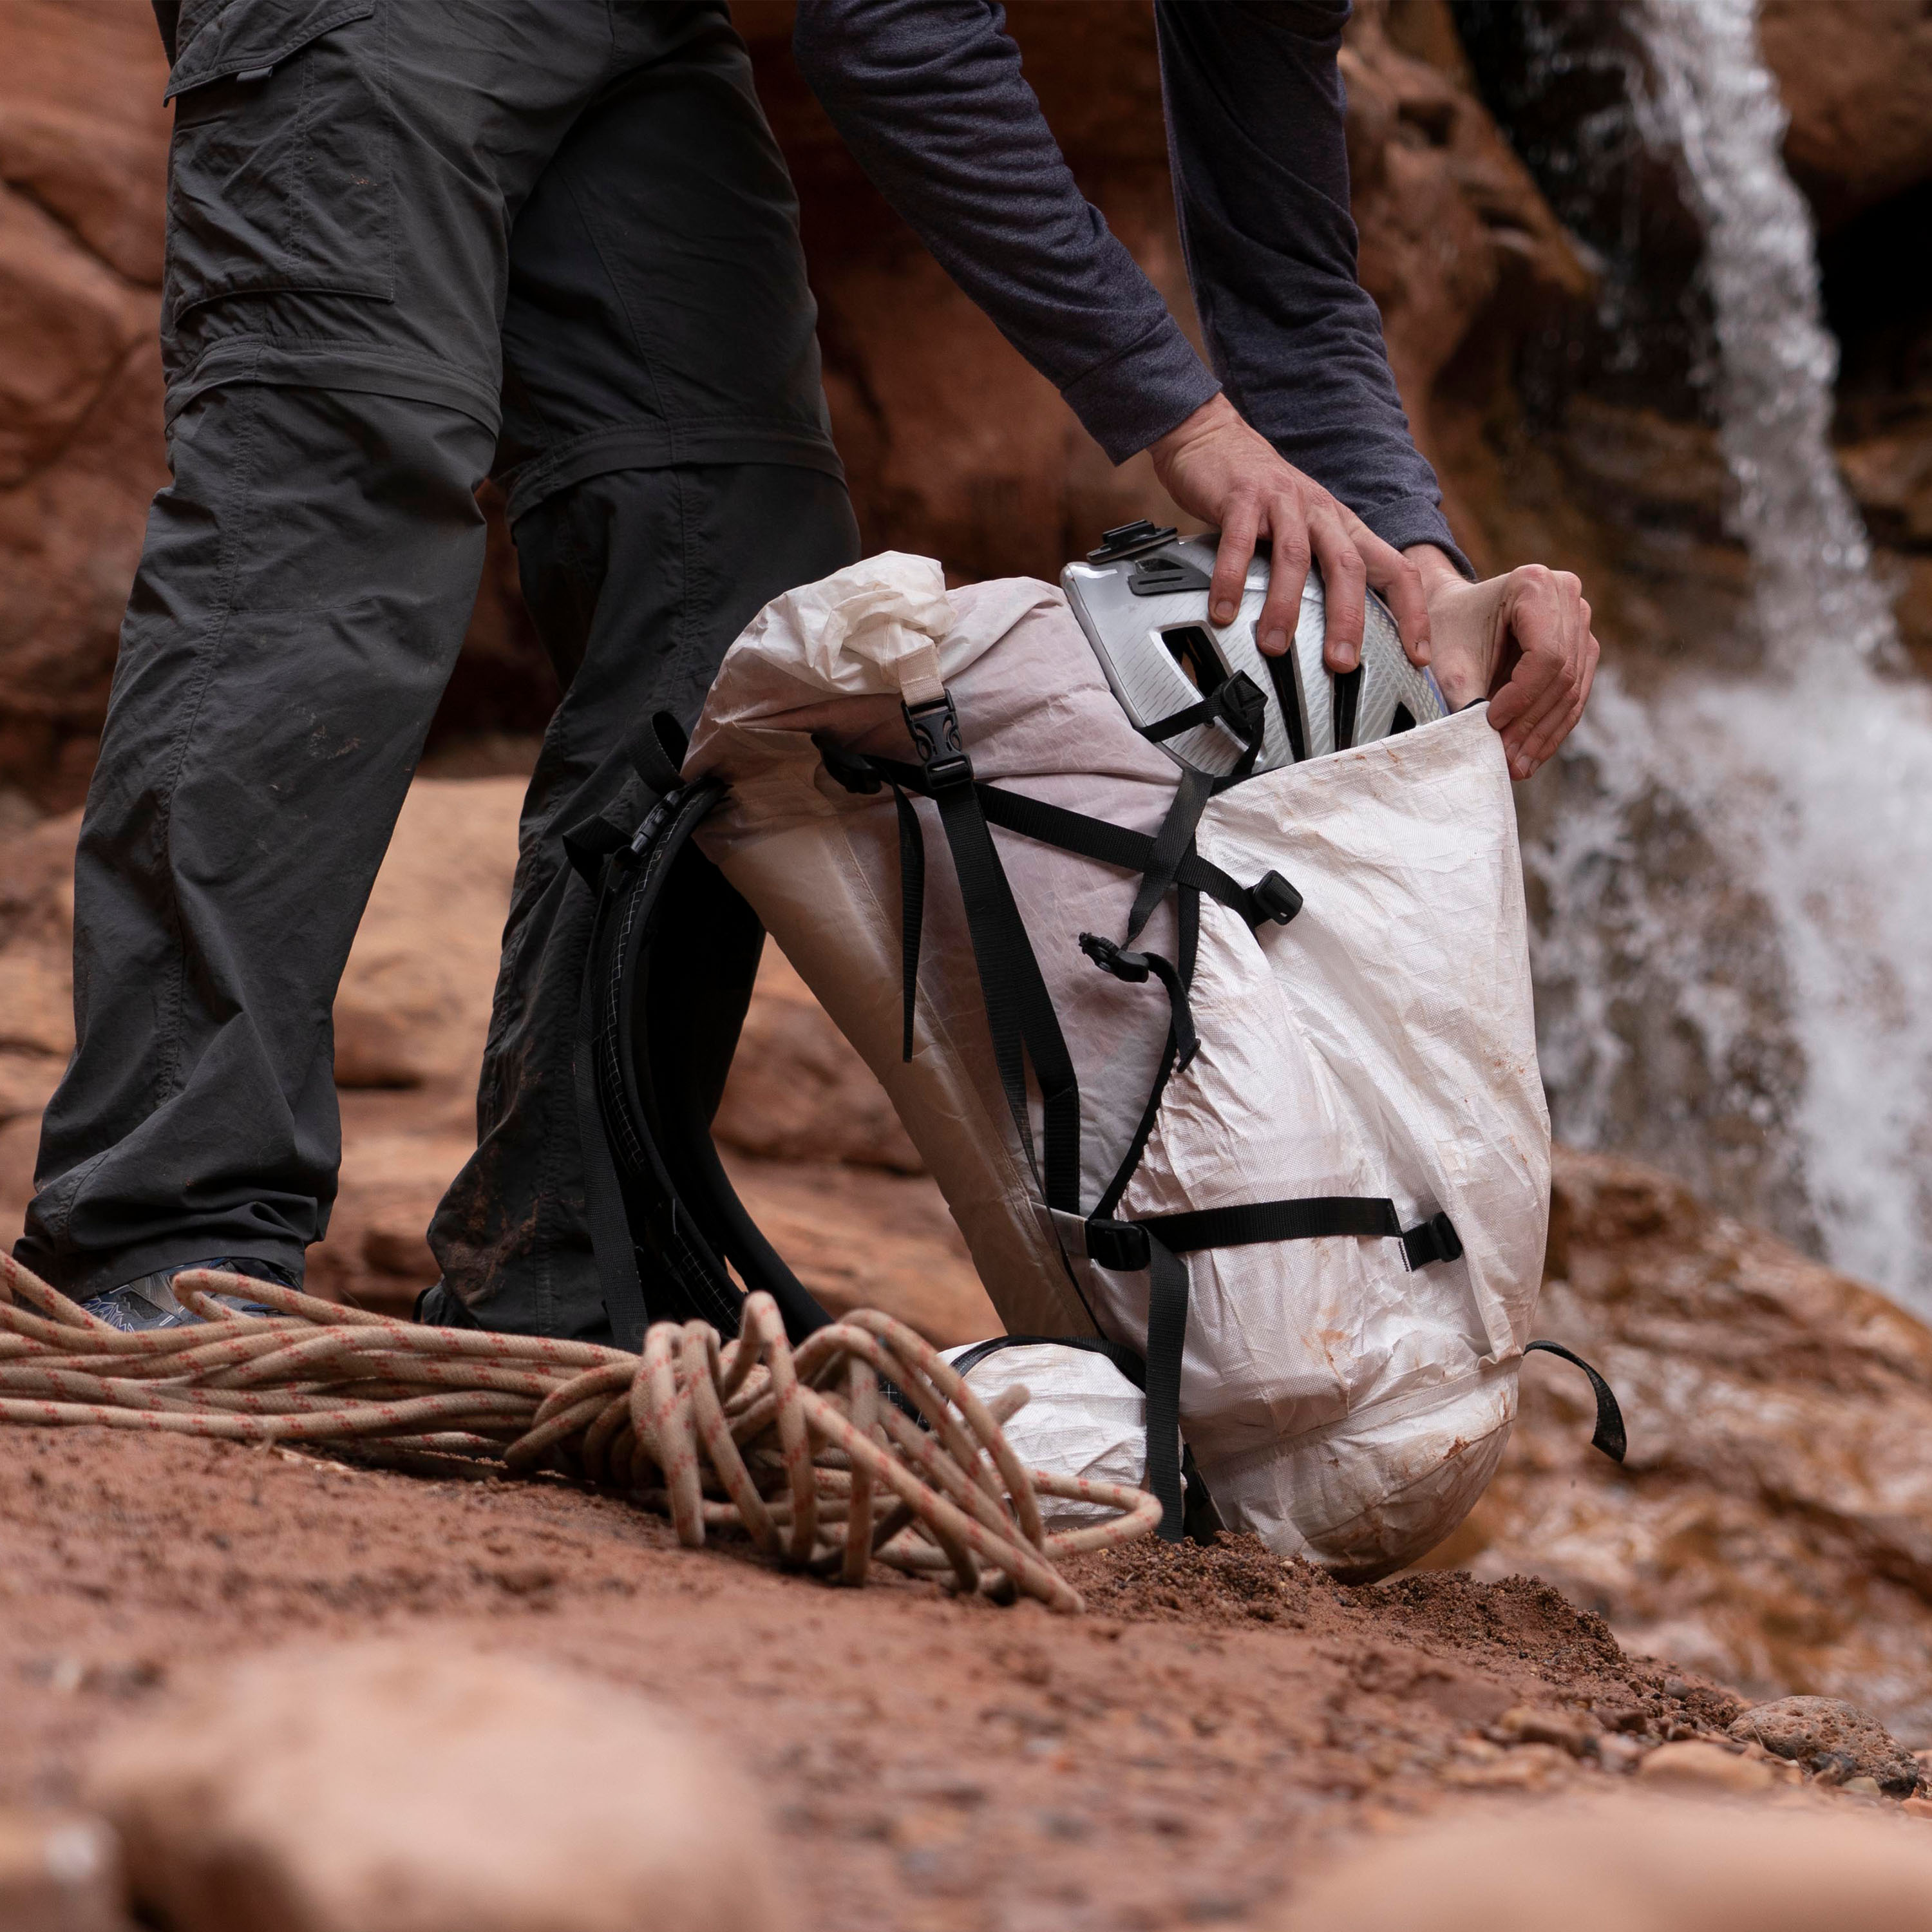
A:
{"points": [[955, 447]]}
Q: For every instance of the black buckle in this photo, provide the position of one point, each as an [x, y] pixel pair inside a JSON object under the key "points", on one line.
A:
{"points": [[1120, 1245], [1242, 707], [937, 744], [1276, 897], [1125, 539], [1131, 968], [1435, 1239]]}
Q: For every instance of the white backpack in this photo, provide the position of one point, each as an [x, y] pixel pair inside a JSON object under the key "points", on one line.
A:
{"points": [[1280, 1157]]}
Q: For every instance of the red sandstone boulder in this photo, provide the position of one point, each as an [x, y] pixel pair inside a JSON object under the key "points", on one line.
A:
{"points": [[397, 1786]]}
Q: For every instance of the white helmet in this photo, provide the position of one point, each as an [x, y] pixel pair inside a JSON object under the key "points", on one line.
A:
{"points": [[1141, 597]]}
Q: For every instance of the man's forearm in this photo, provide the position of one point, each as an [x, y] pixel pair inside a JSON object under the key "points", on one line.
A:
{"points": [[929, 96]]}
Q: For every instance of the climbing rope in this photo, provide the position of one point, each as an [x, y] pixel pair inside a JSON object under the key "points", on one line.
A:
{"points": [[803, 1450]]}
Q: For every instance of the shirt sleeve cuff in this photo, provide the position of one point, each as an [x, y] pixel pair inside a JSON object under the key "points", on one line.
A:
{"points": [[1133, 399], [1417, 520]]}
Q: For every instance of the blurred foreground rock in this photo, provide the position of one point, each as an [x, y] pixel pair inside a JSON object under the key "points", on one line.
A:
{"points": [[398, 1786], [1632, 1865], [60, 1871]]}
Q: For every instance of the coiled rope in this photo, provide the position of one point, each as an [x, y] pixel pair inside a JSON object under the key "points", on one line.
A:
{"points": [[799, 1449]]}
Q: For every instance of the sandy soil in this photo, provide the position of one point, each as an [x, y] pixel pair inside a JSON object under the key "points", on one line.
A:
{"points": [[1215, 1725]]}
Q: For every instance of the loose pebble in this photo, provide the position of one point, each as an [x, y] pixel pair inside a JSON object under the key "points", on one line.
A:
{"points": [[1709, 1766]]}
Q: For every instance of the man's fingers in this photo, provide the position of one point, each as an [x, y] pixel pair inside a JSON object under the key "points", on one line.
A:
{"points": [[1399, 583], [1288, 571], [1533, 710], [1345, 579], [1542, 743], [1240, 524]]}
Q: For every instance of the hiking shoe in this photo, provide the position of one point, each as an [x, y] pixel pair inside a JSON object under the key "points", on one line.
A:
{"points": [[148, 1301]]}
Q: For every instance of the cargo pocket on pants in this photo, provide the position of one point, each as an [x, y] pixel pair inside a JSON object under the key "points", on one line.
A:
{"points": [[280, 174]]}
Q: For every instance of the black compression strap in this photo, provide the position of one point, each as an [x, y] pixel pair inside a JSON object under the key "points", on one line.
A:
{"points": [[1166, 1345], [912, 910], [1609, 1435], [1112, 845], [1307, 1220], [1095, 839], [1019, 1008], [1172, 844]]}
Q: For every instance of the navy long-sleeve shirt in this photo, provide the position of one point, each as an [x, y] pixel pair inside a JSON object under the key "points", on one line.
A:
{"points": [[929, 95]]}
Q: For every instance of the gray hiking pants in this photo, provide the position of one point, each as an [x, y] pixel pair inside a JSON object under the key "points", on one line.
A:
{"points": [[412, 242]]}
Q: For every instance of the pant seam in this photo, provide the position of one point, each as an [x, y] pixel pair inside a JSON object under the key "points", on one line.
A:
{"points": [[171, 1082]]}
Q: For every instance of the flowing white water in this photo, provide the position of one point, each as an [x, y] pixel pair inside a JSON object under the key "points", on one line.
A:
{"points": [[1811, 780]]}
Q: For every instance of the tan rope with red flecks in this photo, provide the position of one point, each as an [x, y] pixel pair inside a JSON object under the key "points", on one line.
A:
{"points": [[797, 1447]]}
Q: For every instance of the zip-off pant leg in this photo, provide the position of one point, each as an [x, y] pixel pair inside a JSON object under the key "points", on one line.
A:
{"points": [[353, 240], [638, 580]]}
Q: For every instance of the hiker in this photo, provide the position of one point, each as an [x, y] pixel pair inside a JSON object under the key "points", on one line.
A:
{"points": [[555, 243]]}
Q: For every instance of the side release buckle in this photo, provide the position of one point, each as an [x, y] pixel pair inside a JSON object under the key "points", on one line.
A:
{"points": [[936, 742], [1120, 1246]]}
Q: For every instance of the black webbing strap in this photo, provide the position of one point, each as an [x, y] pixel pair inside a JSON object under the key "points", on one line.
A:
{"points": [[1271, 898], [1251, 1222], [610, 1240], [1134, 969], [1019, 1008], [912, 910], [1114, 845], [1608, 1436], [1166, 1344], [1236, 702], [1172, 844]]}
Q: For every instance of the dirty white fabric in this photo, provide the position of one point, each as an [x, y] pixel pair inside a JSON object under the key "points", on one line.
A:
{"points": [[1338, 1405], [1082, 1417]]}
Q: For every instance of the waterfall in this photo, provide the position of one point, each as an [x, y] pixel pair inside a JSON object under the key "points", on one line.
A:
{"points": [[1811, 781]]}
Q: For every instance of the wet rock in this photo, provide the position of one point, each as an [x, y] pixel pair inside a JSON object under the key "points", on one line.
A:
{"points": [[1853, 1741], [1859, 97], [395, 1786], [1773, 1524], [1626, 1862], [60, 1871], [1708, 1767]]}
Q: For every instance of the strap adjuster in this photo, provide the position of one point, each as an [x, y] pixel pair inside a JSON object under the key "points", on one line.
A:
{"points": [[1435, 1239], [1130, 967], [938, 743], [1276, 897], [1120, 1245]]}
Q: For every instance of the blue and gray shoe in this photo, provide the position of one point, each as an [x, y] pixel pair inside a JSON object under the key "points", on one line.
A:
{"points": [[148, 1301]]}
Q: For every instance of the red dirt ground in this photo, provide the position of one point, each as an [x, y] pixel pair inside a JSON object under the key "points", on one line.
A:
{"points": [[1216, 1723]]}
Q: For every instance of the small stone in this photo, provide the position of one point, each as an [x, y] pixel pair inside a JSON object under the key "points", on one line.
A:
{"points": [[1568, 1730], [1708, 1766], [394, 1786], [60, 1871], [1918, 1807], [1852, 1742], [1866, 1787]]}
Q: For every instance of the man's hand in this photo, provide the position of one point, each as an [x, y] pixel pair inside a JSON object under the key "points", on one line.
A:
{"points": [[1218, 468], [1522, 640]]}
